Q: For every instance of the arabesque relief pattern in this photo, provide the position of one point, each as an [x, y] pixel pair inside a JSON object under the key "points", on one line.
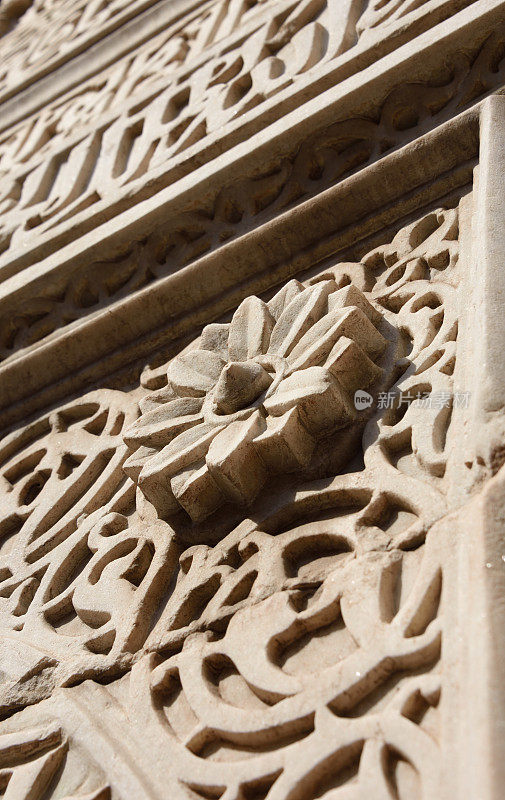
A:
{"points": [[104, 151], [282, 641], [326, 157], [127, 130], [42, 30]]}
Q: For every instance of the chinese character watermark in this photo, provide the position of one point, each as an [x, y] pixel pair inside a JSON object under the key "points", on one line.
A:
{"points": [[394, 399]]}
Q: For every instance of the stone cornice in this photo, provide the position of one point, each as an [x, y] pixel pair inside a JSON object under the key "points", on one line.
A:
{"points": [[419, 174], [428, 162], [351, 69]]}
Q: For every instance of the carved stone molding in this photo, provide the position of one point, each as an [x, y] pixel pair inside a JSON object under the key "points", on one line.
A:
{"points": [[79, 288], [62, 177], [252, 393], [286, 639], [259, 409], [59, 63]]}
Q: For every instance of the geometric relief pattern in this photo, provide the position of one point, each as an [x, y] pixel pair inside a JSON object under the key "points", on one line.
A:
{"points": [[286, 648]]}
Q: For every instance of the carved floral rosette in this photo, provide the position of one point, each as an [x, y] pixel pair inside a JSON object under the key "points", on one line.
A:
{"points": [[256, 397], [297, 652]]}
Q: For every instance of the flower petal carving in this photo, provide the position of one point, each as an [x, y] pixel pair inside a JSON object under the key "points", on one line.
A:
{"points": [[250, 329], [193, 374], [234, 461], [215, 338], [240, 383], [283, 297], [298, 316], [182, 452], [162, 424], [317, 396], [256, 397]]}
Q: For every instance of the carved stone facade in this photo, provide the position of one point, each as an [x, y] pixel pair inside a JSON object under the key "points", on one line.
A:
{"points": [[252, 399]]}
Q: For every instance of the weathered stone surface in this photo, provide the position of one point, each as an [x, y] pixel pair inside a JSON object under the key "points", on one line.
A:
{"points": [[252, 399]]}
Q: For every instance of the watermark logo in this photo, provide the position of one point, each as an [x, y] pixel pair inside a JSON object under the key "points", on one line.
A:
{"points": [[395, 399], [433, 400], [362, 400]]}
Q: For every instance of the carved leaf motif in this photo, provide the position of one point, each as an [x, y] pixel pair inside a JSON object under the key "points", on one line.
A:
{"points": [[298, 316], [284, 297], [165, 422]]}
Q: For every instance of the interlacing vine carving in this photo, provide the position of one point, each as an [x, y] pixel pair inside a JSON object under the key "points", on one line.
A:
{"points": [[321, 161], [281, 643], [54, 167], [60, 550], [33, 761], [46, 29]]}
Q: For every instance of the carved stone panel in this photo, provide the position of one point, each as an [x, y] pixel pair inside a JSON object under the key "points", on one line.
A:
{"points": [[251, 465]]}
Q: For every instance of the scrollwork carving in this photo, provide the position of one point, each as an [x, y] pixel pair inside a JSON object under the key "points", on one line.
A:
{"points": [[295, 650], [324, 159]]}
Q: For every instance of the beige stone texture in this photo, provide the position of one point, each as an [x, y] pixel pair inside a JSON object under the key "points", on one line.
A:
{"points": [[252, 399]]}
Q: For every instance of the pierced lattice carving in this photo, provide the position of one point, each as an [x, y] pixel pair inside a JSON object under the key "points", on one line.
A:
{"points": [[296, 648]]}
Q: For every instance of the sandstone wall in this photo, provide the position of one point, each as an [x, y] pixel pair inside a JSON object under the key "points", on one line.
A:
{"points": [[252, 399]]}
